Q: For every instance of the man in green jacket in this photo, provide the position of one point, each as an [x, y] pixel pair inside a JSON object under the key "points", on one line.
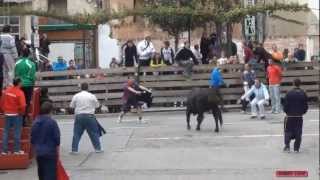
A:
{"points": [[25, 69]]}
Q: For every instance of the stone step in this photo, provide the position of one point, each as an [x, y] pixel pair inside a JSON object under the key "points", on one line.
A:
{"points": [[13, 161]]}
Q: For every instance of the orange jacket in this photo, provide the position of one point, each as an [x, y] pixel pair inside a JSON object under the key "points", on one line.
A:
{"points": [[274, 74], [13, 101]]}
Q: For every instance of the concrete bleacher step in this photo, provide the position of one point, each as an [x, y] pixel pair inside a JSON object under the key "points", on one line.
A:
{"points": [[12, 161]]}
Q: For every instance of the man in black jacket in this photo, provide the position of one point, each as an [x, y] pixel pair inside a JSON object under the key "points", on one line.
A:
{"points": [[295, 106], [186, 59]]}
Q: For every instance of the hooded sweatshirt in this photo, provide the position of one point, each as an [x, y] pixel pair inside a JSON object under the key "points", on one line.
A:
{"points": [[45, 136]]}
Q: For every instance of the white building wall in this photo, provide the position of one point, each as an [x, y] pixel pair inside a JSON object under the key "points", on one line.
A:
{"points": [[313, 29], [108, 47], [81, 6]]}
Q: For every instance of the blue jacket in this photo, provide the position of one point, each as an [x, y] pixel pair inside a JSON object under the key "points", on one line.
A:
{"points": [[45, 136], [60, 66], [216, 79]]}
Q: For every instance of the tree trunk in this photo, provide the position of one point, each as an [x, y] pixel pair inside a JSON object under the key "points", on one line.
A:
{"points": [[229, 39], [176, 41], [219, 32]]}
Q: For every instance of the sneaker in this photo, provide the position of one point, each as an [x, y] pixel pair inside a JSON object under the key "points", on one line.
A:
{"points": [[296, 151], [19, 153], [99, 151], [141, 121], [253, 116], [4, 153], [119, 121], [243, 112], [74, 152], [263, 117], [286, 149]]}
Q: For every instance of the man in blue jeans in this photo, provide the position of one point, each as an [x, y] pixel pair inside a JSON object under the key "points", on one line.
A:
{"points": [[84, 104], [45, 139], [13, 105]]}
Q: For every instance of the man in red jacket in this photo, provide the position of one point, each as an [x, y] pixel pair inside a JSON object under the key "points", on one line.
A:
{"points": [[13, 104], [275, 77]]}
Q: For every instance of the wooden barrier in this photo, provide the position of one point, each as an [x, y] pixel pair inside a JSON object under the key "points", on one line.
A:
{"points": [[170, 87]]}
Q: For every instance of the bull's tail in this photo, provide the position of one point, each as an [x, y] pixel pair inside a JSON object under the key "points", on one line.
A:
{"points": [[220, 118]]}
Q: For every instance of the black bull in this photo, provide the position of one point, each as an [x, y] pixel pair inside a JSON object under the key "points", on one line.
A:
{"points": [[200, 101]]}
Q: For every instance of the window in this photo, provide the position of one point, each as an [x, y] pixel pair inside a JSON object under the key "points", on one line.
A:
{"points": [[13, 21]]}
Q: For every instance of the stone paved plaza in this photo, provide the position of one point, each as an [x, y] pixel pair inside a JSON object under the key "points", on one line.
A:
{"points": [[163, 149]]}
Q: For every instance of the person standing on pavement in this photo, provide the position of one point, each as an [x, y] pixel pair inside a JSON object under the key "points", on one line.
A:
{"points": [[9, 51], [131, 91], [295, 106], [216, 82], [25, 69], [274, 73], [84, 104], [45, 138], [261, 94], [145, 51], [13, 105]]}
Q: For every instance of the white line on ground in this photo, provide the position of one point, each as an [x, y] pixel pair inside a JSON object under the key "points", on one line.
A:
{"points": [[114, 128], [239, 136], [314, 120]]}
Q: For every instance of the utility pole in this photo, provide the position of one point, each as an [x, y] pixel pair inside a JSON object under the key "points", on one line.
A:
{"points": [[35, 41]]}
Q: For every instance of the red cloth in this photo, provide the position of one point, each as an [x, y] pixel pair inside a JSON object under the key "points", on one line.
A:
{"points": [[248, 54], [61, 172], [274, 74], [13, 101]]}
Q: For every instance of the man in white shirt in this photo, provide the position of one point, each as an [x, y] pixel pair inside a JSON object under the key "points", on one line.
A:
{"points": [[84, 104], [145, 51], [261, 97]]}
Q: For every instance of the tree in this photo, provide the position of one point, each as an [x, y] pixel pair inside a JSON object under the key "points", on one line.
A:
{"points": [[164, 14], [187, 14], [173, 16]]}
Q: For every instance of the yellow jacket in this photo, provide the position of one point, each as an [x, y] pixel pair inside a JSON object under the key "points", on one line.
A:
{"points": [[156, 65]]}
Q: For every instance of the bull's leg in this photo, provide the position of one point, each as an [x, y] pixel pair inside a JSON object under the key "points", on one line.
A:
{"points": [[199, 119], [215, 114], [188, 119]]}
